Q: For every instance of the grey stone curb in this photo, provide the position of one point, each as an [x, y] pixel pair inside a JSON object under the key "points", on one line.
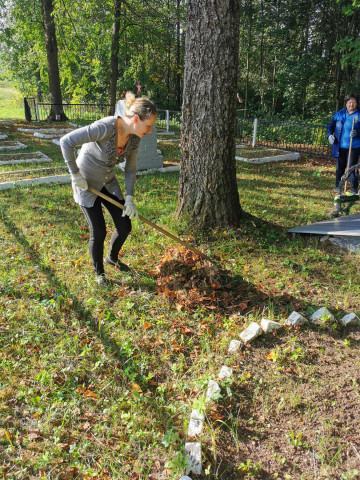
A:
{"points": [[41, 158], [46, 130], [58, 179], [275, 158], [17, 146], [175, 168], [168, 140], [48, 135], [193, 449]]}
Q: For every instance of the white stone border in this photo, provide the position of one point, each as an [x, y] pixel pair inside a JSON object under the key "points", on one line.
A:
{"points": [[58, 179], [17, 146], [48, 136], [168, 140], [275, 158], [3, 136], [45, 130], [175, 168], [159, 132], [41, 158], [193, 449]]}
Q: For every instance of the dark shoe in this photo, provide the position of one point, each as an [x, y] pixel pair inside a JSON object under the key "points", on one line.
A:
{"points": [[119, 265], [102, 281]]}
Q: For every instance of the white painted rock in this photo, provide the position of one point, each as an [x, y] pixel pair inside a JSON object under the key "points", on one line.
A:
{"points": [[296, 318], [234, 346], [193, 452], [251, 332], [213, 388], [185, 478], [350, 319], [269, 326], [225, 372], [3, 136], [317, 316], [196, 423]]}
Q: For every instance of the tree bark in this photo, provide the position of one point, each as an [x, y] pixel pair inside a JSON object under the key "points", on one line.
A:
{"points": [[56, 111], [114, 56], [208, 188]]}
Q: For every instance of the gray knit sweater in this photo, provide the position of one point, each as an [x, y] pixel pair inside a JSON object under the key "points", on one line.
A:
{"points": [[97, 159]]}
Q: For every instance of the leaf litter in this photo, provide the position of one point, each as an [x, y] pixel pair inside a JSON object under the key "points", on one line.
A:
{"points": [[187, 280]]}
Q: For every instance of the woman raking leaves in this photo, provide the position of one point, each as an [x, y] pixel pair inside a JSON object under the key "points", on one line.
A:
{"points": [[105, 143]]}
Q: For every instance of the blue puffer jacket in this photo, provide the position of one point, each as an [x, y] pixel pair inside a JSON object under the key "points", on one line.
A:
{"points": [[335, 128]]}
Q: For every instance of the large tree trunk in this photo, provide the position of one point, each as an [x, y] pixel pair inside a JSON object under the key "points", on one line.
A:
{"points": [[114, 56], [208, 188], [56, 112]]}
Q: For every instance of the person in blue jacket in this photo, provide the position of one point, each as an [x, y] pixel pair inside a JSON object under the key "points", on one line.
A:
{"points": [[344, 125]]}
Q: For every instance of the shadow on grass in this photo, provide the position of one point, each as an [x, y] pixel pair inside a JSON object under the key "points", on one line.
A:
{"points": [[83, 312]]}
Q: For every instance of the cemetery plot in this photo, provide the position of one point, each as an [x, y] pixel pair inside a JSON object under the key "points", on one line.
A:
{"points": [[12, 145], [35, 176], [31, 157], [45, 130], [264, 155]]}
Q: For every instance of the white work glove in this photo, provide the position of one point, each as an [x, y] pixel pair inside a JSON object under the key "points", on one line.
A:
{"points": [[79, 181], [331, 139], [353, 134], [130, 208]]}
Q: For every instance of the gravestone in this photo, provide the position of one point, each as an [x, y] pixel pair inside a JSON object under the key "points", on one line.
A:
{"points": [[148, 156]]}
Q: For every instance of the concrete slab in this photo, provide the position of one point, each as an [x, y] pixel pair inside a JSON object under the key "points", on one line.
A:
{"points": [[346, 226]]}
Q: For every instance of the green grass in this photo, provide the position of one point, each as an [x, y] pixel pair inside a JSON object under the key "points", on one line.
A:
{"points": [[100, 383], [11, 102]]}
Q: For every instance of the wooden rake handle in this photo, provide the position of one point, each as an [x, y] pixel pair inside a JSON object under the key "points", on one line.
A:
{"points": [[349, 154], [153, 225]]}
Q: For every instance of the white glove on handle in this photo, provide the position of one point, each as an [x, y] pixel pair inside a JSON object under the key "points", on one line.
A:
{"points": [[79, 181], [331, 139], [130, 208]]}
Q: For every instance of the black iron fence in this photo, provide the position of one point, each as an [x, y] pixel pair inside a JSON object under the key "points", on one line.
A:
{"points": [[77, 112], [299, 137], [89, 112], [169, 120]]}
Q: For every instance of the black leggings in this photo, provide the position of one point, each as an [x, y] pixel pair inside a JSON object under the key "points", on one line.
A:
{"points": [[95, 218]]}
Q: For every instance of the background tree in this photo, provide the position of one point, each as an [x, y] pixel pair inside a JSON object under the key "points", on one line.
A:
{"points": [[208, 189], [114, 56], [52, 61]]}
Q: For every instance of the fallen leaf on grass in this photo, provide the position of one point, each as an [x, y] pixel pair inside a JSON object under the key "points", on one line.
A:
{"points": [[147, 325], [136, 387], [89, 393]]}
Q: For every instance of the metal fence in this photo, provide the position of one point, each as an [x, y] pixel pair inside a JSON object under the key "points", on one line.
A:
{"points": [[76, 112], [169, 120], [89, 112], [299, 137]]}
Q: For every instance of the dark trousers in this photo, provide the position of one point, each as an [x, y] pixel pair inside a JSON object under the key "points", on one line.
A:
{"points": [[95, 218], [341, 163]]}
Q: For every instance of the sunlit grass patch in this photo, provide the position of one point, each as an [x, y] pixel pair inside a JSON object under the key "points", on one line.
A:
{"points": [[101, 383]]}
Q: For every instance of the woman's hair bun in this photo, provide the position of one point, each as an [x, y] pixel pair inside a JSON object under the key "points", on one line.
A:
{"points": [[129, 99]]}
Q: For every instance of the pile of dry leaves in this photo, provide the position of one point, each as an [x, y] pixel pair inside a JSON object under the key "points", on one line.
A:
{"points": [[191, 282]]}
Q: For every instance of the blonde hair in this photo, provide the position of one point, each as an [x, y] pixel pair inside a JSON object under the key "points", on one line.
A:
{"points": [[140, 106]]}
